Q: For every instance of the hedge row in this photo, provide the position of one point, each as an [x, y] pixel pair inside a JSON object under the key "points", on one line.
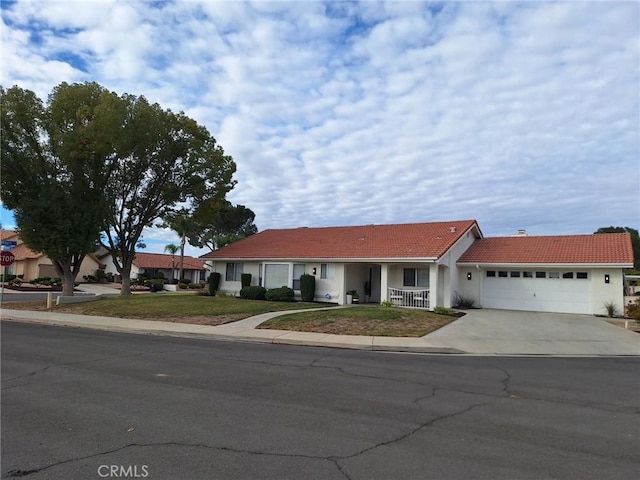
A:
{"points": [[282, 294]]}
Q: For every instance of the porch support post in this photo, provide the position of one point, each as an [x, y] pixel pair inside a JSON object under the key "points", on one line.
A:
{"points": [[384, 282], [433, 286]]}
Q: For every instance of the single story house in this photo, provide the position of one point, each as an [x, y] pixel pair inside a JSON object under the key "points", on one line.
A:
{"points": [[424, 265], [32, 265], [160, 265]]}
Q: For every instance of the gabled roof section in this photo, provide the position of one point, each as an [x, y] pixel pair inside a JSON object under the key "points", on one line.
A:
{"points": [[9, 235], [412, 240], [601, 248], [162, 261], [22, 252]]}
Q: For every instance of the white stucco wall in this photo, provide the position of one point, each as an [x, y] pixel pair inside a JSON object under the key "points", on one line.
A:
{"points": [[602, 292], [453, 281]]}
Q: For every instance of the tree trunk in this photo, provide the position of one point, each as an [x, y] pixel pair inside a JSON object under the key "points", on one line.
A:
{"points": [[125, 288], [66, 271], [68, 281], [182, 240]]}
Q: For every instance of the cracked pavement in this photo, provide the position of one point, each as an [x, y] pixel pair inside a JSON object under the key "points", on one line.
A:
{"points": [[74, 400]]}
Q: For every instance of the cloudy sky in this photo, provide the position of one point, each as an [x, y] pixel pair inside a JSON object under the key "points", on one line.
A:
{"points": [[519, 115]]}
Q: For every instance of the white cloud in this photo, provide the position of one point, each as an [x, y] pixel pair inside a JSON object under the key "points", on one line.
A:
{"points": [[521, 115]]}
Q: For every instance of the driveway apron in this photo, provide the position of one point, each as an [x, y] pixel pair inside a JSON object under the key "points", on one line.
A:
{"points": [[514, 332]]}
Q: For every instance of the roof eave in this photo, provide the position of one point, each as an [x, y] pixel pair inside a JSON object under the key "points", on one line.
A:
{"points": [[327, 260], [546, 264]]}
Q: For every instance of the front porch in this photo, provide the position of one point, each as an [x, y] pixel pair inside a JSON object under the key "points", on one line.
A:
{"points": [[419, 285], [418, 299]]}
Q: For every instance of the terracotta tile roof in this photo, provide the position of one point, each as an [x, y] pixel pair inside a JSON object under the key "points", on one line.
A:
{"points": [[9, 235], [22, 252], [585, 249], [414, 240], [162, 261]]}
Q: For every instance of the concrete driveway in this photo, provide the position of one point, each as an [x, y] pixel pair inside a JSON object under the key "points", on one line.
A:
{"points": [[487, 331]]}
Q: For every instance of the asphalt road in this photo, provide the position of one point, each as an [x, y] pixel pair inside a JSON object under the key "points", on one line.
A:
{"points": [[85, 404]]}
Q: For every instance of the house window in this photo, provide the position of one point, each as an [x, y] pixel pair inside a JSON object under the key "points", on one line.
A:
{"points": [[582, 275], [502, 274], [327, 271], [234, 271], [415, 277], [298, 271], [567, 275], [151, 273], [541, 274], [491, 273], [527, 274], [554, 275], [515, 274], [423, 277], [276, 275]]}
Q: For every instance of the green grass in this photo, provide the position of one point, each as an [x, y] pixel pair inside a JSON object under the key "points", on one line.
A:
{"points": [[181, 307], [370, 320]]}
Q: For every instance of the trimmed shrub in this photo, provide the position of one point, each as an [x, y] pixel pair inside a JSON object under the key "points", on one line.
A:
{"points": [[195, 286], [442, 311], [282, 294], [253, 293], [156, 286], [185, 280], [245, 280], [182, 286], [307, 287], [214, 283]]}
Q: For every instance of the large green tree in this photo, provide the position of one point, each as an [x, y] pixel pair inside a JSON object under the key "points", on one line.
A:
{"points": [[222, 223], [56, 160], [167, 162], [635, 241]]}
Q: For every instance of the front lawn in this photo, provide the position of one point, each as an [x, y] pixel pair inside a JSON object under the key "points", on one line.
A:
{"points": [[370, 320], [168, 307]]}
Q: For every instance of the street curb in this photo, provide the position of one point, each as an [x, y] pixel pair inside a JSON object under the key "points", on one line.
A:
{"points": [[277, 340]]}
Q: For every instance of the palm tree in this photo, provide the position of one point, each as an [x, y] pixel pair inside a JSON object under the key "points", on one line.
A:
{"points": [[172, 249], [181, 223]]}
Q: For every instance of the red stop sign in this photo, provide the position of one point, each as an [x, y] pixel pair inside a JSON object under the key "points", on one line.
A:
{"points": [[6, 258]]}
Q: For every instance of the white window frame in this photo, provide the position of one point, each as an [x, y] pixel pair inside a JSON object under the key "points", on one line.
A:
{"points": [[327, 271], [418, 280], [296, 277], [236, 274]]}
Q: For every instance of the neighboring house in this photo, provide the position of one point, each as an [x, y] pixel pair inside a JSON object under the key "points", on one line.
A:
{"points": [[161, 266], [424, 265], [33, 265]]}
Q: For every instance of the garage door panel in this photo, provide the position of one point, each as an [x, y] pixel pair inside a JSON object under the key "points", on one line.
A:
{"points": [[537, 294]]}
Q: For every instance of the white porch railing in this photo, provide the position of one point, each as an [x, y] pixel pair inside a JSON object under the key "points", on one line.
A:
{"points": [[409, 298]]}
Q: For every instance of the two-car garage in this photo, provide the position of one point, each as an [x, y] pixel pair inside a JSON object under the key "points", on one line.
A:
{"points": [[565, 274], [537, 290]]}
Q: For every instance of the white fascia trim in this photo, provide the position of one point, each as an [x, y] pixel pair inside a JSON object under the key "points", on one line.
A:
{"points": [[328, 260], [545, 265]]}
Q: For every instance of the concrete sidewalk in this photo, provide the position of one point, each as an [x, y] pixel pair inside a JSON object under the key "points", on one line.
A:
{"points": [[483, 332]]}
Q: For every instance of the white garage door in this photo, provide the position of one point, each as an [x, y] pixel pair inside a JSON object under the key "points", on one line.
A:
{"points": [[539, 291]]}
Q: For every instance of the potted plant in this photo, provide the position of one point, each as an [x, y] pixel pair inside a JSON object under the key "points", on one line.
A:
{"points": [[356, 297], [352, 297]]}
